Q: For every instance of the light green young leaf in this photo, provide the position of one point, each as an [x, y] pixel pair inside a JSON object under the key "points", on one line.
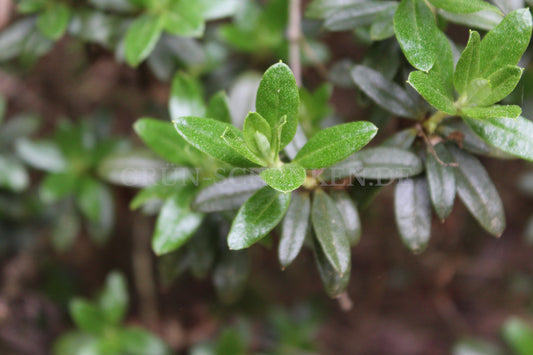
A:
{"points": [[416, 29], [519, 335], [478, 91], [390, 96], [513, 136], [499, 111], [286, 178], [176, 222], [184, 18], [334, 284], [330, 231], [467, 68], [56, 186], [476, 190], [237, 143], [141, 38], [186, 98], [441, 181], [137, 341], [114, 298], [350, 216], [218, 107], [256, 129], [462, 6], [412, 208], [257, 217], [506, 43], [13, 175], [87, 316], [53, 22], [502, 83], [432, 90], [205, 134], [277, 96], [334, 144], [294, 228]]}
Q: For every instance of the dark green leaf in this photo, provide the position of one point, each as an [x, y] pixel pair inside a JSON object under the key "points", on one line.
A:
{"points": [[403, 139], [349, 214], [294, 229], [54, 20], [227, 194], [186, 98], [334, 284], [257, 135], [496, 111], [56, 186], [441, 181], [519, 335], [114, 298], [87, 316], [358, 14], [257, 217], [202, 249], [277, 96], [330, 231], [478, 193], [385, 93], [461, 6], [505, 43], [141, 38], [218, 107], [415, 28], [467, 68], [502, 83], [206, 134], [13, 175], [334, 144], [412, 209], [514, 136], [432, 90], [286, 178], [42, 155], [230, 275], [176, 222]]}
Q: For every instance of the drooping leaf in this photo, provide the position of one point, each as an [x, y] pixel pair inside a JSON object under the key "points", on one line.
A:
{"points": [[350, 216], [294, 228], [415, 28], [478, 193], [334, 144], [441, 181], [334, 284], [277, 96], [467, 68], [286, 178], [460, 6], [496, 111], [54, 20], [186, 98], [141, 38], [385, 93], [432, 90], [412, 208], [330, 232], [257, 217], [218, 107]]}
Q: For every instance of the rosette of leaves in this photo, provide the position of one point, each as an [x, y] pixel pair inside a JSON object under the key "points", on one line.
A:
{"points": [[464, 119], [70, 160], [100, 328]]}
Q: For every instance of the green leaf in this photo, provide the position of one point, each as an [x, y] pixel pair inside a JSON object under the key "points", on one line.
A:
{"points": [[334, 284], [467, 68], [383, 24], [478, 193], [432, 90], [13, 175], [202, 250], [96, 203], [258, 135], [478, 91], [137, 341], [87, 316], [358, 14], [257, 217], [506, 43], [184, 18], [56, 186], [75, 342], [513, 136], [294, 228], [519, 335], [415, 28], [499, 111], [286, 178], [228, 194], [330, 231], [239, 145], [277, 96], [205, 134], [215, 9], [42, 155], [384, 92], [334, 144], [350, 216], [54, 20], [218, 107], [412, 209], [176, 222], [444, 64], [461, 6], [114, 298], [483, 20], [65, 230], [141, 38], [441, 181], [186, 98], [163, 139], [381, 163], [502, 83], [17, 127]]}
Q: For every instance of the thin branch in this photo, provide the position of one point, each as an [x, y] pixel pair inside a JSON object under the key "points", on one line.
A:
{"points": [[294, 35], [432, 150]]}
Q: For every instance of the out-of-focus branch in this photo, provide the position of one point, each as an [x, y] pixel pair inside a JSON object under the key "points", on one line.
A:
{"points": [[294, 35]]}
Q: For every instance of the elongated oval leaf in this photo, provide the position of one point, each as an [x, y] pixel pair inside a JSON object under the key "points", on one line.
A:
{"points": [[294, 228], [502, 83], [278, 96], [415, 28], [514, 136], [412, 208], [186, 98], [390, 96], [467, 68], [441, 181], [334, 144], [350, 216], [334, 284], [56, 186], [484, 20], [13, 175], [358, 14], [43, 155], [95, 201], [237, 143], [505, 43], [114, 297], [330, 231], [184, 18], [286, 178], [205, 134], [462, 6], [254, 123], [54, 20], [141, 38], [478, 193], [500, 111], [257, 217], [432, 90], [218, 107], [87, 316], [176, 222]]}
